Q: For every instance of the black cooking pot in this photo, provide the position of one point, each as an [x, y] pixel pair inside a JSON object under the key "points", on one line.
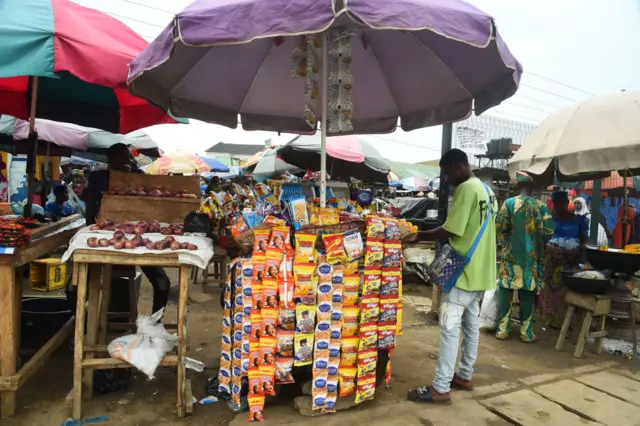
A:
{"points": [[42, 317], [613, 260], [586, 285]]}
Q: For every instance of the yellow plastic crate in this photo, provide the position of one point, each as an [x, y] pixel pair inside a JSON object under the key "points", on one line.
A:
{"points": [[47, 274]]}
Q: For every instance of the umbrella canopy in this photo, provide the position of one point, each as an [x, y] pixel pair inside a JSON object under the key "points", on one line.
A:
{"points": [[414, 184], [69, 139], [348, 156], [271, 164], [424, 61], [80, 56], [234, 172], [594, 136], [181, 163], [215, 165]]}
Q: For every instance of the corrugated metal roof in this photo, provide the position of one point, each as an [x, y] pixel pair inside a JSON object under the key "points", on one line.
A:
{"points": [[235, 148]]}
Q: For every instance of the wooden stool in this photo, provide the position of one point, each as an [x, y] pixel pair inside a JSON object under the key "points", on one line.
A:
{"points": [[97, 284], [219, 274], [630, 314], [591, 305]]}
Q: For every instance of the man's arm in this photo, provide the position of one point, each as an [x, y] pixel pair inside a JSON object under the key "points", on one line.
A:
{"points": [[457, 218], [435, 234]]}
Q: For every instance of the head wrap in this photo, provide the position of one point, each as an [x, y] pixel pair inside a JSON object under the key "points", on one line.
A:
{"points": [[560, 196], [584, 210], [524, 177]]}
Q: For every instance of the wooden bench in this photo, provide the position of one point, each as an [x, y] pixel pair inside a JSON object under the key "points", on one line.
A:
{"points": [[591, 306]]}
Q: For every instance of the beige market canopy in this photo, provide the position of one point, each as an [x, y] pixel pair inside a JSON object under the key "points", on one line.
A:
{"points": [[588, 138]]}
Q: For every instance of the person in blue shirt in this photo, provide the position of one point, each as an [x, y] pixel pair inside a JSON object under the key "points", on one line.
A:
{"points": [[60, 207], [565, 250]]}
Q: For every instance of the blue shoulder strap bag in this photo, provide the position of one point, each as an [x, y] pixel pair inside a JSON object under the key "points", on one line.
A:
{"points": [[449, 264]]}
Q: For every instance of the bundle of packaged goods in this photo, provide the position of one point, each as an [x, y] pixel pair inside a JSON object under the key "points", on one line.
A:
{"points": [[332, 309], [13, 234]]}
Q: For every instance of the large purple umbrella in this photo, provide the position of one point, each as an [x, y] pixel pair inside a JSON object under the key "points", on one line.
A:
{"points": [[284, 65]]}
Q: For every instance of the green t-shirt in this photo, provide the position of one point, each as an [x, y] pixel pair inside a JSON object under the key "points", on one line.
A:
{"points": [[468, 212]]}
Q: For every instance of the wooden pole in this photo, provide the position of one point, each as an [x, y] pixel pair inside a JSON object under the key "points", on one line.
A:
{"points": [[596, 201], [33, 148], [625, 220]]}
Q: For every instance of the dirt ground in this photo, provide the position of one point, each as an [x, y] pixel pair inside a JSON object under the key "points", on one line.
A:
{"points": [[146, 403]]}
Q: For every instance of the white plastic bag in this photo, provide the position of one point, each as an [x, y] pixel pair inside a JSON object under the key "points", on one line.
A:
{"points": [[145, 349], [489, 311]]}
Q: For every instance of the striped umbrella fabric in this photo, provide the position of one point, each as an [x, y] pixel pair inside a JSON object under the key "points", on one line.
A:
{"points": [[80, 57]]}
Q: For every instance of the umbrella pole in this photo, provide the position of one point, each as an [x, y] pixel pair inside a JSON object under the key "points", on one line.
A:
{"points": [[33, 149], [323, 124], [625, 220]]}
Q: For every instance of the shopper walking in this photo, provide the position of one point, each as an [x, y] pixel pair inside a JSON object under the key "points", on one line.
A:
{"points": [[473, 203], [524, 226]]}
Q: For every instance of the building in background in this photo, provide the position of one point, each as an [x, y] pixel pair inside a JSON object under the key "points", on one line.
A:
{"points": [[490, 142], [234, 154]]}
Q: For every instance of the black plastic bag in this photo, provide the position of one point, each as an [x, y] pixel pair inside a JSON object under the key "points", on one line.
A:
{"points": [[199, 223], [113, 380]]}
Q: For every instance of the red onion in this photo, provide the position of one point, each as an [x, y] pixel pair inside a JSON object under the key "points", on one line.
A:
{"points": [[121, 192], [193, 247], [103, 242], [94, 228], [175, 245], [166, 194], [178, 231], [92, 242], [149, 245], [138, 230], [141, 194], [184, 246], [119, 245], [140, 188], [118, 235], [129, 244], [112, 241]]}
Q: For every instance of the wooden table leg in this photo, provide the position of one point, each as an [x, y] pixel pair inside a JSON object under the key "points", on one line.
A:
{"points": [[10, 310], [600, 340], [104, 304], [565, 327], [79, 341], [93, 318], [582, 338], [183, 282], [632, 314]]}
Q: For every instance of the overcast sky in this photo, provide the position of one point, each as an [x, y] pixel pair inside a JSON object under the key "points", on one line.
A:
{"points": [[570, 50]]}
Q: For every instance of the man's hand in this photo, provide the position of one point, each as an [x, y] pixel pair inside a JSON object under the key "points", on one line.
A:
{"points": [[435, 234]]}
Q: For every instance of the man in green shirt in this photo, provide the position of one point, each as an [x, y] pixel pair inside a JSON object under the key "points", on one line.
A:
{"points": [[460, 308]]}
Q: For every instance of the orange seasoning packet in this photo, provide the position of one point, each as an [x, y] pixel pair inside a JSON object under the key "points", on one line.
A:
{"points": [[334, 247]]}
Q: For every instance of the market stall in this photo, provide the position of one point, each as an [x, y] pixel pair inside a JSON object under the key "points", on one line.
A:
{"points": [[19, 247], [141, 223], [311, 286], [592, 139]]}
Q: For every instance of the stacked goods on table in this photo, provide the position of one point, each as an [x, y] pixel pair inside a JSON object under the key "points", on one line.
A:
{"points": [[13, 234], [331, 308], [150, 197], [117, 236]]}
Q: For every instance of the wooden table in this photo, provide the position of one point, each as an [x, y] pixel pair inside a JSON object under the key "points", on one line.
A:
{"points": [[44, 240], [92, 275]]}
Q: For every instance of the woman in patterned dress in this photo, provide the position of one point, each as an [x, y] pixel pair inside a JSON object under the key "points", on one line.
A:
{"points": [[525, 226], [565, 250]]}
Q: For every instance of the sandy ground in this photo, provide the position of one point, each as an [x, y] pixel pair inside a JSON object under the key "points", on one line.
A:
{"points": [[147, 403]]}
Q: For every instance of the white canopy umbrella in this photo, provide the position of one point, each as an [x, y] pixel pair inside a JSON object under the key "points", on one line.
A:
{"points": [[598, 135]]}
